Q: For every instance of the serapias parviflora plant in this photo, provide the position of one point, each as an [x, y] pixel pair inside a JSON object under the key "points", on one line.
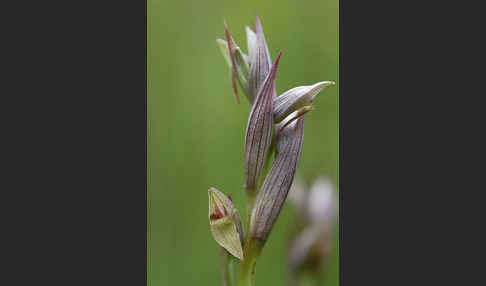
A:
{"points": [[275, 129]]}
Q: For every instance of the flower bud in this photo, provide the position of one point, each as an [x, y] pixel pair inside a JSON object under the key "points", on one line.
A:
{"points": [[260, 62], [239, 63], [259, 130], [297, 97], [276, 185], [225, 223]]}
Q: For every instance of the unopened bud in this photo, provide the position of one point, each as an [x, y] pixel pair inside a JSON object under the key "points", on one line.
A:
{"points": [[239, 63], [259, 130], [260, 62], [275, 188]]}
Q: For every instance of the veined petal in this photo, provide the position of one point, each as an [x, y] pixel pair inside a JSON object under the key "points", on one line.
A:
{"points": [[259, 130], [260, 62], [225, 223], [277, 183], [297, 97]]}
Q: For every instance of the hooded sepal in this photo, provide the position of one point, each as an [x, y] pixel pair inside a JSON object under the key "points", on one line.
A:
{"points": [[277, 183], [259, 130], [225, 223], [296, 98], [260, 62]]}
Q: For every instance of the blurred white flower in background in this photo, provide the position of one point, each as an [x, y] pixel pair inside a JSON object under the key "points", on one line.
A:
{"points": [[317, 207]]}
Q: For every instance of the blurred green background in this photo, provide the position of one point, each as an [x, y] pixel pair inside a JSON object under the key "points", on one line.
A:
{"points": [[196, 130]]}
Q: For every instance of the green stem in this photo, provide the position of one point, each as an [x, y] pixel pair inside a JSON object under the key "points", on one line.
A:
{"points": [[252, 247], [250, 201], [252, 250], [224, 264], [229, 268]]}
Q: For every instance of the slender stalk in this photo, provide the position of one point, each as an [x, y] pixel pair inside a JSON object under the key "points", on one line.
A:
{"points": [[229, 263], [252, 247], [224, 264], [250, 201], [252, 250]]}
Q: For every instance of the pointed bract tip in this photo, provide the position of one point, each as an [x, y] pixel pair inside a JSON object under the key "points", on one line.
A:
{"points": [[258, 24], [326, 83], [229, 38], [273, 71]]}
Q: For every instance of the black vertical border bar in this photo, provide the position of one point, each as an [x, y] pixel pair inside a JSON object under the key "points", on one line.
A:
{"points": [[75, 164]]}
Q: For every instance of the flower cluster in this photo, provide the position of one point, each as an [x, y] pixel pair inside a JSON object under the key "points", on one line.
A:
{"points": [[275, 126]]}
